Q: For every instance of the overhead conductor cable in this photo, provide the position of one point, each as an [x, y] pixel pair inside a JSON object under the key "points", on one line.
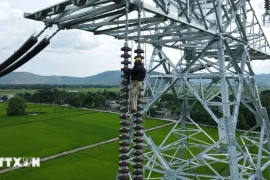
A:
{"points": [[28, 56], [21, 51]]}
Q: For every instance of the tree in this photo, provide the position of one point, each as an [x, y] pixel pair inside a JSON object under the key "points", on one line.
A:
{"points": [[16, 106], [4, 98]]}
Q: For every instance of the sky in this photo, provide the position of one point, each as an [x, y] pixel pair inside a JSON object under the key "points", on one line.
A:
{"points": [[72, 52]]}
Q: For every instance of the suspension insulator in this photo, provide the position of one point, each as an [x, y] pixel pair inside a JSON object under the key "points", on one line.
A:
{"points": [[138, 159], [124, 89], [125, 48], [124, 150], [125, 82], [124, 123], [124, 116], [138, 115], [139, 102], [124, 76], [122, 163], [126, 62], [138, 121], [138, 134], [123, 177], [138, 127], [124, 130], [138, 131], [139, 51], [138, 166], [138, 172], [125, 56], [124, 70], [139, 108], [124, 110], [123, 136], [267, 4], [124, 103], [138, 178], [124, 143], [124, 157], [138, 140], [124, 96], [123, 170]]}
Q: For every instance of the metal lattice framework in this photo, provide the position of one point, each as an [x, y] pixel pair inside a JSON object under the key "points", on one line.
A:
{"points": [[219, 39]]}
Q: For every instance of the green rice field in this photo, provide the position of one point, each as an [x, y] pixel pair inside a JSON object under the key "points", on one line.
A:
{"points": [[57, 130], [60, 129], [85, 90]]}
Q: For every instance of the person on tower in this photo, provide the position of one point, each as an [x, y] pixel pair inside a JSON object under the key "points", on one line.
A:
{"points": [[137, 74]]}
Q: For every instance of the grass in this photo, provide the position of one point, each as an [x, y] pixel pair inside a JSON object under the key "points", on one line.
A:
{"points": [[61, 129], [56, 131], [99, 163]]}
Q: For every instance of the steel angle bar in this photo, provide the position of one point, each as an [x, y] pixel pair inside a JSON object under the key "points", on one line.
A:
{"points": [[188, 38], [149, 105], [155, 150], [116, 30], [45, 11], [194, 25], [202, 102], [72, 10], [117, 22], [199, 55], [85, 16], [212, 169], [198, 155]]}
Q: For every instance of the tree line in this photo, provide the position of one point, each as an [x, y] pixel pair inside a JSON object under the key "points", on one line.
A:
{"points": [[246, 119], [76, 99]]}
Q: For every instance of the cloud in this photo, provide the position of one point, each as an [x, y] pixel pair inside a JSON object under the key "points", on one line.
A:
{"points": [[72, 52]]}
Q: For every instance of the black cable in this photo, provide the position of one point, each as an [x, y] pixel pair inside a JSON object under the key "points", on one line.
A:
{"points": [[21, 51], [28, 56]]}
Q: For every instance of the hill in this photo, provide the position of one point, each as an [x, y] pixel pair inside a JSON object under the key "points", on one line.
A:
{"points": [[108, 78], [105, 78]]}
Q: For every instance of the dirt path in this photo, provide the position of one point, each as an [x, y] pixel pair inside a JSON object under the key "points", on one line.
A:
{"points": [[58, 155]]}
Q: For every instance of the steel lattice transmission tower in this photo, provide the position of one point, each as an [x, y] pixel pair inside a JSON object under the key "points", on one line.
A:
{"points": [[219, 39]]}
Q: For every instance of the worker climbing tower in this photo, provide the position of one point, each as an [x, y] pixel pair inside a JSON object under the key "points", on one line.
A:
{"points": [[217, 40]]}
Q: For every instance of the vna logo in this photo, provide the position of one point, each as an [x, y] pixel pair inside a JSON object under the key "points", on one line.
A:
{"points": [[19, 162]]}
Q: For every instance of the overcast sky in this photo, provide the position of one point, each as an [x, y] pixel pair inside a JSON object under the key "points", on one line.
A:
{"points": [[72, 52]]}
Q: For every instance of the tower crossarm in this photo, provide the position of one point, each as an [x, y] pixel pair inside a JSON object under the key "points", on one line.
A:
{"points": [[169, 23]]}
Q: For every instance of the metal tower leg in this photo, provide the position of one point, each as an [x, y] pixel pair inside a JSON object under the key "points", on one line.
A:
{"points": [[227, 118]]}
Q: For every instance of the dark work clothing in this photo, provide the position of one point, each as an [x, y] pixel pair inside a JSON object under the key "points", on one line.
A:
{"points": [[138, 72]]}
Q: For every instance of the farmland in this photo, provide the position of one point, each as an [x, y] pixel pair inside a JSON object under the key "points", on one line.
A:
{"points": [[95, 163], [59, 129], [84, 90]]}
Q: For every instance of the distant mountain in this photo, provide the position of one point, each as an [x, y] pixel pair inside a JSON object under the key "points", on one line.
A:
{"points": [[263, 80], [105, 78]]}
